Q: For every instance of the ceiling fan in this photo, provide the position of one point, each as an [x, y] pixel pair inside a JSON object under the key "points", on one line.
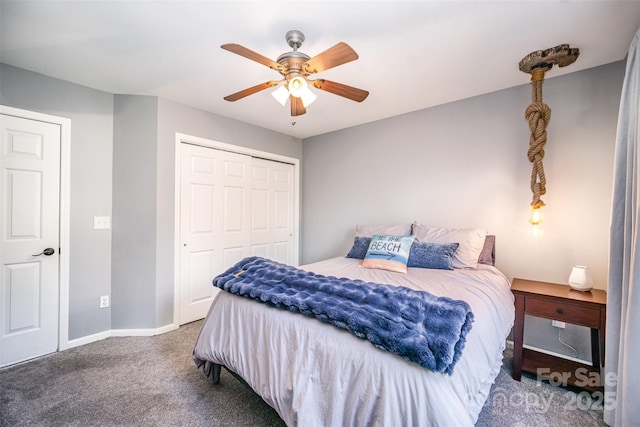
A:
{"points": [[295, 68]]}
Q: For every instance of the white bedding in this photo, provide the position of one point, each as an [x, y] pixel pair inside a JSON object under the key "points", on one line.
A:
{"points": [[315, 374]]}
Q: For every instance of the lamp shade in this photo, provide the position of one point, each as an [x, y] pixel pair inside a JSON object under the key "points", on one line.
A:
{"points": [[307, 97], [579, 279], [281, 95]]}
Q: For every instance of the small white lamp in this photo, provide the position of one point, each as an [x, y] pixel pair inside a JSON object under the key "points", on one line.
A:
{"points": [[579, 278]]}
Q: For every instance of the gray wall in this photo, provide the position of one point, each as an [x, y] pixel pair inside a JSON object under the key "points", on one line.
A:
{"points": [[133, 274], [465, 164], [122, 166], [91, 114]]}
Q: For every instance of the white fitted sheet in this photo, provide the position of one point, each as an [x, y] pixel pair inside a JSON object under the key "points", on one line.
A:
{"points": [[314, 374]]}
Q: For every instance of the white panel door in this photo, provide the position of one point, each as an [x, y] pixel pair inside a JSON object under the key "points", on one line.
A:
{"points": [[30, 216], [272, 188], [214, 222]]}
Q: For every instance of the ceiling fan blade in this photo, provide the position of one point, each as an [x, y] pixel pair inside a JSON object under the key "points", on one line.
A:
{"points": [[332, 57], [250, 91], [297, 109], [254, 56], [350, 92]]}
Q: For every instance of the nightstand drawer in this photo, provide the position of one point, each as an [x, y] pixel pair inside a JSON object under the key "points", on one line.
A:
{"points": [[565, 312]]}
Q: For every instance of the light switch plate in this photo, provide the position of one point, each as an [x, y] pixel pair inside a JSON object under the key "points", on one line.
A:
{"points": [[101, 222]]}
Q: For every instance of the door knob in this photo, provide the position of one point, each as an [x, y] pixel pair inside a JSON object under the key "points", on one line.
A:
{"points": [[47, 252]]}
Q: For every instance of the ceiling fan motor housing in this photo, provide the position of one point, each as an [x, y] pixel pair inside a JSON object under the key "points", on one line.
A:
{"points": [[293, 61], [295, 39]]}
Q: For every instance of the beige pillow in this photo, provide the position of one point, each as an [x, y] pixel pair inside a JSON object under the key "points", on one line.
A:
{"points": [[470, 241]]}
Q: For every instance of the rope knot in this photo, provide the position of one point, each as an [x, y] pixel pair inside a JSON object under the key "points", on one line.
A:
{"points": [[538, 114], [538, 111]]}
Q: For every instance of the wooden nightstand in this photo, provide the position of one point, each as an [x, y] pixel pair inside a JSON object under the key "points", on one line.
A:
{"points": [[559, 302]]}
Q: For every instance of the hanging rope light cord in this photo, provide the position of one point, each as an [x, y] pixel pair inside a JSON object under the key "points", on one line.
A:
{"points": [[538, 114]]}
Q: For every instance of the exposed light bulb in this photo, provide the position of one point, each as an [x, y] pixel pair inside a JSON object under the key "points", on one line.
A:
{"points": [[297, 85], [536, 216]]}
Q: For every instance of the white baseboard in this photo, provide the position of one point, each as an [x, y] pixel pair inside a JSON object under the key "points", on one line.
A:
{"points": [[167, 328], [120, 333], [142, 332], [87, 339]]}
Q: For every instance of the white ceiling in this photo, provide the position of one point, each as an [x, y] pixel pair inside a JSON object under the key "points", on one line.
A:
{"points": [[413, 54]]}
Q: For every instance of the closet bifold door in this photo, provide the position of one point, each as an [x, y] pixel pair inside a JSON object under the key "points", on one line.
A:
{"points": [[231, 206], [215, 191], [272, 210]]}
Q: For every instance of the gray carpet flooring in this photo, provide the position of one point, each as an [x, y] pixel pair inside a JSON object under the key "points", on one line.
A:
{"points": [[152, 381]]}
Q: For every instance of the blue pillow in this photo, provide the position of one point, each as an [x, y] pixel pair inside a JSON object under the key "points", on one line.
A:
{"points": [[432, 255], [359, 248], [388, 253]]}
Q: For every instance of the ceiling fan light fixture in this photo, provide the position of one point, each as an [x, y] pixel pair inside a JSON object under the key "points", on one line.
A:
{"points": [[297, 86], [281, 95], [295, 67], [307, 97]]}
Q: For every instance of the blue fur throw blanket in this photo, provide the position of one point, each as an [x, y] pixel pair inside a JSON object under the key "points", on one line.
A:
{"points": [[420, 327]]}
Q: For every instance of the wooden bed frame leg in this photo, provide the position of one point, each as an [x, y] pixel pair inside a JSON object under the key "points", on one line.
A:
{"points": [[518, 337], [216, 373]]}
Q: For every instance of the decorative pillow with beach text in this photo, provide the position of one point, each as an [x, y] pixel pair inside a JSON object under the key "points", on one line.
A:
{"points": [[388, 252]]}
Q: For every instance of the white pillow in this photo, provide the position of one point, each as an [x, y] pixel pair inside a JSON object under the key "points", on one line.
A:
{"points": [[471, 241], [369, 230]]}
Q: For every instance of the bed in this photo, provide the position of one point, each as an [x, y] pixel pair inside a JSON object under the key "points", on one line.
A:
{"points": [[313, 373]]}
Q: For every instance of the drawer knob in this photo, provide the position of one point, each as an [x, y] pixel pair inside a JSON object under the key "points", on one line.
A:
{"points": [[559, 311]]}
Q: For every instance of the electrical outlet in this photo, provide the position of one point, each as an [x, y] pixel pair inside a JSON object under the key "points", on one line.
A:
{"points": [[557, 324], [104, 301], [101, 222]]}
